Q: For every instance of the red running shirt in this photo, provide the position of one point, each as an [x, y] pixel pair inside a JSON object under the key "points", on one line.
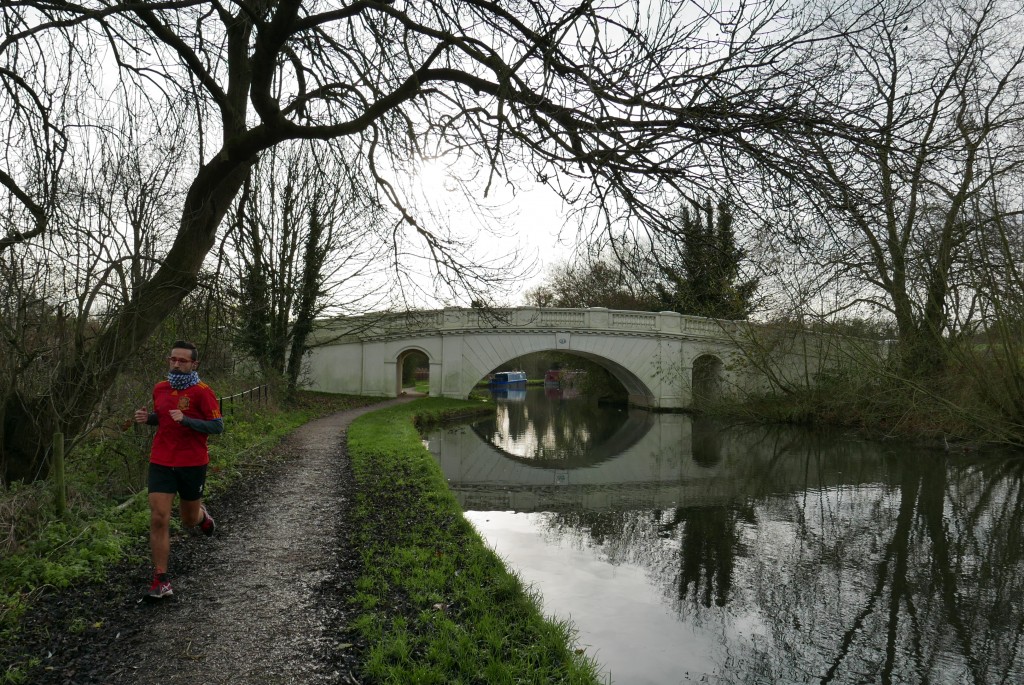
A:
{"points": [[175, 444]]}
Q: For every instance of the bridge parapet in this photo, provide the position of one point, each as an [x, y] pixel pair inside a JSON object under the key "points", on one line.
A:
{"points": [[383, 326]]}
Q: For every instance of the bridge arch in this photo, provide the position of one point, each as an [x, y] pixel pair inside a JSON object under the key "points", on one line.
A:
{"points": [[403, 354], [707, 379], [637, 390]]}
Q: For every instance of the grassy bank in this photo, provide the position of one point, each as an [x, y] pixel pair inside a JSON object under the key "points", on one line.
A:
{"points": [[943, 411], [968, 390], [108, 516], [436, 605]]}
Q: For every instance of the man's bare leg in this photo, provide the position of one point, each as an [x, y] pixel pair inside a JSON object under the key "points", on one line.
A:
{"points": [[159, 529]]}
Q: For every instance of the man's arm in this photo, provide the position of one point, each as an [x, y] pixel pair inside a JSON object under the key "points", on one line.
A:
{"points": [[210, 426]]}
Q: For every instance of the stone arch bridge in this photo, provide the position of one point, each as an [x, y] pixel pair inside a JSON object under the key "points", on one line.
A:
{"points": [[664, 360]]}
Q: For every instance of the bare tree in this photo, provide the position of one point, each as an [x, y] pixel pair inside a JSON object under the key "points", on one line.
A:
{"points": [[105, 227], [597, 282], [896, 214], [306, 236], [625, 97], [994, 258]]}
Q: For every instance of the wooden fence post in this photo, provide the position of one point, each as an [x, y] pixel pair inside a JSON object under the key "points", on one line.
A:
{"points": [[58, 473]]}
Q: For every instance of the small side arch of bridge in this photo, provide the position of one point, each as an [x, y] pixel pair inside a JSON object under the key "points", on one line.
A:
{"points": [[664, 360]]}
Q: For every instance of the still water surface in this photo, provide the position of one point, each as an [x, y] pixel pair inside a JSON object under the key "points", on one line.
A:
{"points": [[688, 551]]}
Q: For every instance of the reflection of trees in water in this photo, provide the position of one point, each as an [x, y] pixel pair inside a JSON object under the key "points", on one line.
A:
{"points": [[690, 551], [978, 562], [913, 575], [921, 581], [708, 545], [849, 565], [593, 528]]}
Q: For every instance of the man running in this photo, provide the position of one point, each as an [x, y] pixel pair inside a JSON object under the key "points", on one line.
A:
{"points": [[185, 411]]}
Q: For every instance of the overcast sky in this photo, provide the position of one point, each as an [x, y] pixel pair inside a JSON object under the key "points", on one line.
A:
{"points": [[531, 220]]}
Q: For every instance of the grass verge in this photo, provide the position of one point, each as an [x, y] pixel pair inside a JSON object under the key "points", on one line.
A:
{"points": [[435, 604]]}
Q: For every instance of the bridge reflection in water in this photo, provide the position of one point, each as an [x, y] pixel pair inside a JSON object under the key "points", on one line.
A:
{"points": [[639, 459], [687, 551]]}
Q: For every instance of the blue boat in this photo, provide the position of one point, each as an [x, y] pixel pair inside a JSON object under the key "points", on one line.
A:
{"points": [[504, 379]]}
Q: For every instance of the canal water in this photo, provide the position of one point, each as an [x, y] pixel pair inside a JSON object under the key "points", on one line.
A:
{"points": [[684, 550]]}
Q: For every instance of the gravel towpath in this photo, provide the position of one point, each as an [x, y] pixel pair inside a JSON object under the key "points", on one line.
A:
{"points": [[263, 601]]}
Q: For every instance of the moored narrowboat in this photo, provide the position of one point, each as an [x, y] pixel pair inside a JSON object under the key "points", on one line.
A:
{"points": [[562, 378], [503, 379]]}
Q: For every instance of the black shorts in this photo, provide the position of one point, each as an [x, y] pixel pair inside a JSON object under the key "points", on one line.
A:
{"points": [[186, 481]]}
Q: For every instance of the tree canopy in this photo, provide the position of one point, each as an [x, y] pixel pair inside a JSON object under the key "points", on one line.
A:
{"points": [[131, 129]]}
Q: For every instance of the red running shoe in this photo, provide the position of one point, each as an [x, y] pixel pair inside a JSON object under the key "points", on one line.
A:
{"points": [[207, 525], [160, 588]]}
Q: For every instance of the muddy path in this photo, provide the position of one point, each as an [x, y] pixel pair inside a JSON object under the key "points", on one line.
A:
{"points": [[263, 601]]}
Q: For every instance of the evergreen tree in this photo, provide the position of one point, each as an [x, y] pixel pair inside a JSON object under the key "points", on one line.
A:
{"points": [[705, 280]]}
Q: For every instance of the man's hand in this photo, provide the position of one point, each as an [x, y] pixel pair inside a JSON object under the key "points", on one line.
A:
{"points": [[177, 415], [141, 415]]}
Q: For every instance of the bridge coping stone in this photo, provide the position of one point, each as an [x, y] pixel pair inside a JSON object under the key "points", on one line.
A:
{"points": [[526, 319]]}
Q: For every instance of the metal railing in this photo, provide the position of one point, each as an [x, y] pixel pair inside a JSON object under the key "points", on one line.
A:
{"points": [[261, 393]]}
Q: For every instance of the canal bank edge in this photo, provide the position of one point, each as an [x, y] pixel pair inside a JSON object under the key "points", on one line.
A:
{"points": [[434, 603]]}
